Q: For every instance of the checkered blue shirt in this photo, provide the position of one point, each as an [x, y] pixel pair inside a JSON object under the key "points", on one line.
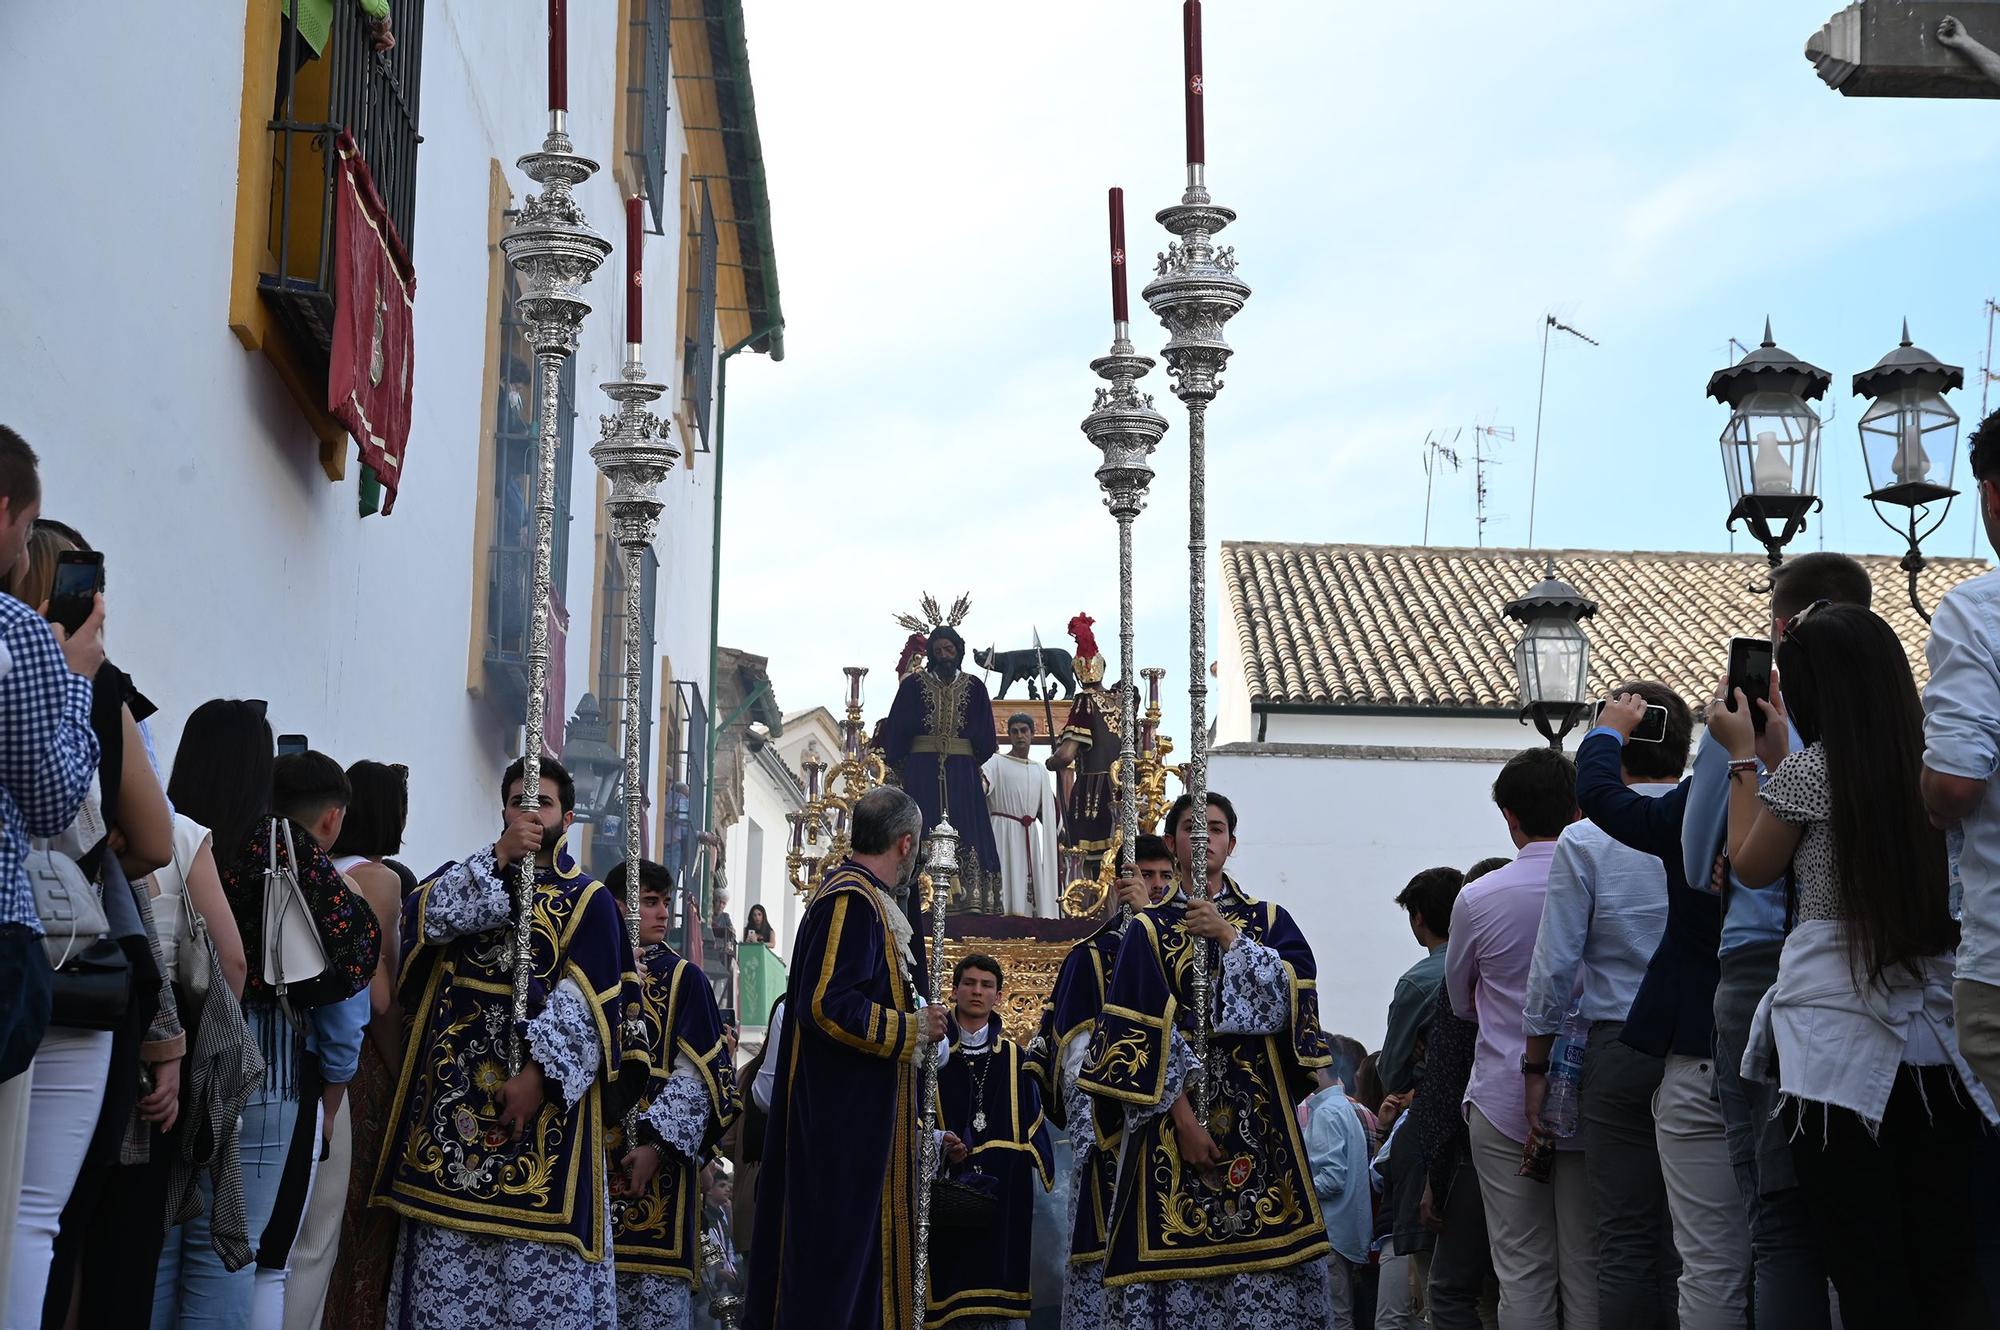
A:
{"points": [[47, 750]]}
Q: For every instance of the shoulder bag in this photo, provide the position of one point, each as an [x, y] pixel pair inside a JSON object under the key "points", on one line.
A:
{"points": [[293, 951]]}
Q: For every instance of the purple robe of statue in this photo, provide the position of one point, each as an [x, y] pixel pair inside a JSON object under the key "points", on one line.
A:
{"points": [[947, 725]]}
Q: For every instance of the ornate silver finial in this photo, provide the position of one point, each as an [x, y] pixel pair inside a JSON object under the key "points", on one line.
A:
{"points": [[556, 254]]}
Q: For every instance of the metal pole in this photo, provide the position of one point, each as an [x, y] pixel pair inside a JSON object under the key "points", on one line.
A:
{"points": [[1126, 429], [941, 861], [556, 253], [1196, 293], [1535, 467]]}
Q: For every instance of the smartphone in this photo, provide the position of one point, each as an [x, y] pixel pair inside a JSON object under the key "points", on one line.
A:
{"points": [[1750, 670], [291, 745], [728, 1018], [1652, 726], [79, 578]]}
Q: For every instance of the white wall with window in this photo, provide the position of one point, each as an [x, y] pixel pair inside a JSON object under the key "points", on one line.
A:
{"points": [[235, 565]]}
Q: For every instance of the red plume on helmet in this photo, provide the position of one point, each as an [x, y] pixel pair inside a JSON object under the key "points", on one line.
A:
{"points": [[1086, 641]]}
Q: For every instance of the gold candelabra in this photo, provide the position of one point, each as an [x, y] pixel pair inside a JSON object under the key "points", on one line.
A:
{"points": [[1087, 897], [821, 833]]}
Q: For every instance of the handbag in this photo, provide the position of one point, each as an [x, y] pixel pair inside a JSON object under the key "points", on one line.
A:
{"points": [[194, 957], [69, 904], [92, 984], [293, 951], [961, 1204]]}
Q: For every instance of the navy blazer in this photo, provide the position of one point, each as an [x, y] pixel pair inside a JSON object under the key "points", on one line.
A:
{"points": [[1674, 1011]]}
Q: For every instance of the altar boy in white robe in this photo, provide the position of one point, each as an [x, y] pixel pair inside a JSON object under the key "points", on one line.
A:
{"points": [[1022, 804]]}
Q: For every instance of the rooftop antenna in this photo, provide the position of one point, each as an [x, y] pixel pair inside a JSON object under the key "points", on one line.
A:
{"points": [[1550, 324], [1483, 439], [1437, 453]]}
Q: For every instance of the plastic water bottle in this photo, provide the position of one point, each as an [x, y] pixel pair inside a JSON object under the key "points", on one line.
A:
{"points": [[1560, 1109]]}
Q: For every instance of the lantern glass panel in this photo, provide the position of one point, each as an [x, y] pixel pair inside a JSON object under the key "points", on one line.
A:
{"points": [[1552, 662], [1770, 448], [1909, 438]]}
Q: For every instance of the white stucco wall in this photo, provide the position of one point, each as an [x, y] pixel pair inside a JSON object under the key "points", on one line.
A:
{"points": [[235, 568], [1334, 839], [766, 801]]}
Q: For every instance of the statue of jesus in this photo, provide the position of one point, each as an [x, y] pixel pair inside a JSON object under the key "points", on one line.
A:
{"points": [[938, 733]]}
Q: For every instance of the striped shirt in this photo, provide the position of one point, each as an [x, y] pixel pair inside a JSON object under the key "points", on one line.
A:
{"points": [[47, 751]]}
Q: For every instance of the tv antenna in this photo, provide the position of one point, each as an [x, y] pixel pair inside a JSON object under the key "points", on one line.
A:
{"points": [[1484, 437], [1550, 323], [1437, 453]]}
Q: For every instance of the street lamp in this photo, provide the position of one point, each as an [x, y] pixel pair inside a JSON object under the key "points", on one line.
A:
{"points": [[1909, 441], [1770, 448], [593, 763], [1552, 659]]}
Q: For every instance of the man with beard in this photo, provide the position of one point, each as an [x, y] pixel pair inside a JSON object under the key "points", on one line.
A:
{"points": [[1215, 1222], [938, 734], [996, 1142], [1056, 1058], [836, 1196], [501, 1180]]}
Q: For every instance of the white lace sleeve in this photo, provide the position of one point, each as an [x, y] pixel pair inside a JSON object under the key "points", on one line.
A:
{"points": [[1256, 996], [467, 898], [1082, 1126], [1181, 1065], [563, 1040], [679, 1113]]}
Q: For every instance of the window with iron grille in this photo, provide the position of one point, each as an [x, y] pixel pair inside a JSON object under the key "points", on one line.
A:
{"points": [[516, 457], [348, 86], [700, 376], [647, 83]]}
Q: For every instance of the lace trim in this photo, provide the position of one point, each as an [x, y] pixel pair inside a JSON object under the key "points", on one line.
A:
{"points": [[1256, 996], [467, 898], [563, 1040], [679, 1113]]}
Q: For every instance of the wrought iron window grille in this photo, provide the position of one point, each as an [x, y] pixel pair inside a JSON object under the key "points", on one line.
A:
{"points": [[374, 96]]}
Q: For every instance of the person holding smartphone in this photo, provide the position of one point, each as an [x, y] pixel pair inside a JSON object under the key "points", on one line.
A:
{"points": [[48, 754]]}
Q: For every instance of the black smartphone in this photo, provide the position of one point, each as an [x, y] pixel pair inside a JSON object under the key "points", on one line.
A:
{"points": [[291, 745], [1652, 727], [729, 1018], [79, 578], [1750, 670]]}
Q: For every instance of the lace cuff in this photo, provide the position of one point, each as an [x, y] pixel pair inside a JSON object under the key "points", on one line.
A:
{"points": [[563, 1040], [1256, 997], [679, 1113], [467, 898], [1181, 1068], [1082, 1125]]}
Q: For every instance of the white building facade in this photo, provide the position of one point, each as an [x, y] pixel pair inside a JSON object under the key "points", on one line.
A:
{"points": [[1369, 701], [178, 405]]}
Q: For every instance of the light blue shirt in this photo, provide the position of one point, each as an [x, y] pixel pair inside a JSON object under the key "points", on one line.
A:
{"points": [[1337, 1149], [1602, 919], [335, 1034], [1753, 914], [1962, 738]]}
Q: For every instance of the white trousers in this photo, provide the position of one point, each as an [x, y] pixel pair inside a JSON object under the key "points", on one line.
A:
{"points": [[1543, 1234], [1394, 1307], [1711, 1232], [317, 1245], [63, 1104], [14, 1095]]}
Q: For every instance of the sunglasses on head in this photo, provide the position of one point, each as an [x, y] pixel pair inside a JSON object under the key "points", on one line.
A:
{"points": [[1792, 624]]}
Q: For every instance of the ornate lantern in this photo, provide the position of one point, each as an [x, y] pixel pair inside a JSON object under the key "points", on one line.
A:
{"points": [[1909, 442], [1770, 447], [1552, 659]]}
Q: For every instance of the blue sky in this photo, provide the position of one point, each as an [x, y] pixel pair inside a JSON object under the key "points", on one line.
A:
{"points": [[1416, 188]]}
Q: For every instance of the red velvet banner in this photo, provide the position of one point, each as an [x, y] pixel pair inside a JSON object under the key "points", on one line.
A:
{"points": [[369, 372]]}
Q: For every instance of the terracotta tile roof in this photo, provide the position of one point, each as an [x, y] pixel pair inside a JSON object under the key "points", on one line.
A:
{"points": [[1362, 625]]}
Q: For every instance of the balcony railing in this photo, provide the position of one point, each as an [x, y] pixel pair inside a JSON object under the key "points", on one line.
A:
{"points": [[370, 94]]}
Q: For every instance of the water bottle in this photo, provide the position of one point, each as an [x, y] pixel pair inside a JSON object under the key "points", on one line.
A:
{"points": [[1559, 1110]]}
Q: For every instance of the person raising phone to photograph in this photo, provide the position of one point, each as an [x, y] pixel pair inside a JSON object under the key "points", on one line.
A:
{"points": [[1789, 1280], [1881, 1111]]}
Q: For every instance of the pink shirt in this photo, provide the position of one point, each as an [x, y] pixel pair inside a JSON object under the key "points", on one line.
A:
{"points": [[1493, 927]]}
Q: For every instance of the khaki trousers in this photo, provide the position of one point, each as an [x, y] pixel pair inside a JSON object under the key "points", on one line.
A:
{"points": [[1542, 1234]]}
